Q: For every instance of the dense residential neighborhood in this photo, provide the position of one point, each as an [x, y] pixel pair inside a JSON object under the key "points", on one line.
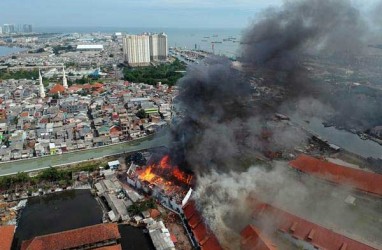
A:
{"points": [[78, 116]]}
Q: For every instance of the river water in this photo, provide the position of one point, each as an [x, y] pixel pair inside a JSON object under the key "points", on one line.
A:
{"points": [[342, 138], [13, 167], [4, 51], [201, 38]]}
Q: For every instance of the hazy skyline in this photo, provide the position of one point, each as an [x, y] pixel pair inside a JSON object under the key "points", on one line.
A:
{"points": [[134, 13]]}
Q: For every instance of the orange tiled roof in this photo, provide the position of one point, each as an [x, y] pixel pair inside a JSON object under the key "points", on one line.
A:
{"points": [[73, 238], [57, 88], [24, 114], [252, 239], [299, 228], [97, 85], [362, 180], [154, 213], [203, 235], [86, 86], [74, 88], [6, 237]]}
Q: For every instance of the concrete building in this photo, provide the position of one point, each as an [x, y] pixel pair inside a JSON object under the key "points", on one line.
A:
{"points": [[136, 50], [85, 47], [158, 47], [1, 30], [8, 28], [27, 28]]}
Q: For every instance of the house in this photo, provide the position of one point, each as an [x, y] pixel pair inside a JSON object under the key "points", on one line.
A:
{"points": [[114, 164], [103, 130], [52, 149]]}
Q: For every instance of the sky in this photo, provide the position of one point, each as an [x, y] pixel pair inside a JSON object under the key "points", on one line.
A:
{"points": [[133, 13]]}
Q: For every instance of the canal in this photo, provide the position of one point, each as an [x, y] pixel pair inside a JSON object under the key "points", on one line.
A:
{"points": [[76, 156], [57, 212]]}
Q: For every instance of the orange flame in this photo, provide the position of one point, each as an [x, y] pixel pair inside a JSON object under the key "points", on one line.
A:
{"points": [[157, 172]]}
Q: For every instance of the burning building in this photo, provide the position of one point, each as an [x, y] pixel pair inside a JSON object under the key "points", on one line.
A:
{"points": [[171, 186]]}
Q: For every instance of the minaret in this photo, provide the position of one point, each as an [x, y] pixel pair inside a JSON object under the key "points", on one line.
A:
{"points": [[64, 80], [42, 89]]}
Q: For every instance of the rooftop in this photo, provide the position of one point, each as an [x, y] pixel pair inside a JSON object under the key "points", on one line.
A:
{"points": [[6, 233], [203, 235], [362, 180], [252, 239], [58, 88], [301, 229], [73, 238]]}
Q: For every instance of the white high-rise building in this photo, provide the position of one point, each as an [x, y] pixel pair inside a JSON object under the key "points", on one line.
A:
{"points": [[158, 46], [136, 49], [1, 30]]}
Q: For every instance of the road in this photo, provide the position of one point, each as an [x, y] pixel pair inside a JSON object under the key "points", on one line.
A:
{"points": [[76, 156]]}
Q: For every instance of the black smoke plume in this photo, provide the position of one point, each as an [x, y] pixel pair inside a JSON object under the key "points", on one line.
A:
{"points": [[219, 122], [222, 123]]}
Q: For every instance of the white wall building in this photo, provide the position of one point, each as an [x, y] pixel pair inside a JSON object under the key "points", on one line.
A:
{"points": [[136, 49], [158, 46], [89, 47]]}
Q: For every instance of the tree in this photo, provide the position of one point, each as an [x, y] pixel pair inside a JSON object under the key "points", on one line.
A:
{"points": [[21, 177], [141, 114]]}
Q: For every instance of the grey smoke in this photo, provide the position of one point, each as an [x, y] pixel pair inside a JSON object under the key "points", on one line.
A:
{"points": [[223, 201], [282, 36]]}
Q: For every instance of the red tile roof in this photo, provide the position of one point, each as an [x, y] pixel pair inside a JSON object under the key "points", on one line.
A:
{"points": [[362, 180], [211, 243], [57, 88], [114, 247], [74, 88], [73, 238], [154, 213], [97, 85], [87, 86], [299, 228], [24, 114], [6, 237], [253, 239], [203, 235]]}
